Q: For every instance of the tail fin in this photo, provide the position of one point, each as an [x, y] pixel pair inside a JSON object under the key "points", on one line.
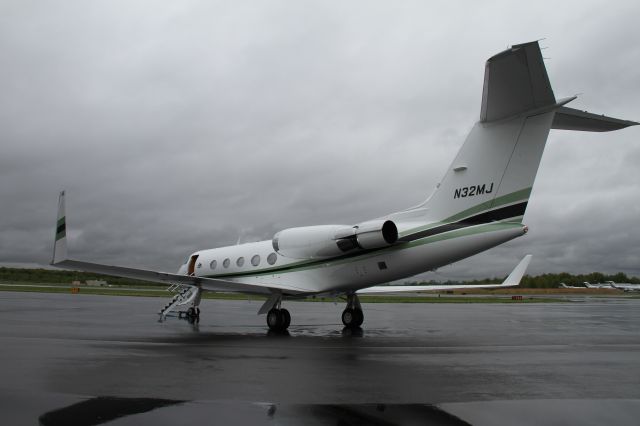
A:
{"points": [[493, 173], [60, 243], [515, 81]]}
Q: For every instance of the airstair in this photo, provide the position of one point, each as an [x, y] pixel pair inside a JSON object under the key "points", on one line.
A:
{"points": [[185, 294]]}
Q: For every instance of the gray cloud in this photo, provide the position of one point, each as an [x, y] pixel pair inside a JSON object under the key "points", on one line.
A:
{"points": [[179, 126]]}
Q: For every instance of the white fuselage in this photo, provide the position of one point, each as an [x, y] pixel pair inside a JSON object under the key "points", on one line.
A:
{"points": [[355, 270]]}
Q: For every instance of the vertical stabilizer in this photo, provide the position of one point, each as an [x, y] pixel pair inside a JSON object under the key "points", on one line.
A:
{"points": [[60, 244], [493, 173], [515, 81]]}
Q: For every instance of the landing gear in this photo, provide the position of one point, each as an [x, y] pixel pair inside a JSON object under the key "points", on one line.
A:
{"points": [[352, 316], [278, 319]]}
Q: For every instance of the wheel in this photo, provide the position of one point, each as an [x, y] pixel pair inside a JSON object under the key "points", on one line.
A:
{"points": [[286, 317], [275, 320], [359, 317], [191, 313], [348, 317], [352, 318]]}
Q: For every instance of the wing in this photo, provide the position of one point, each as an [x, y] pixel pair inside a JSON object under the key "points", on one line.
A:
{"points": [[60, 260], [213, 284], [512, 280]]}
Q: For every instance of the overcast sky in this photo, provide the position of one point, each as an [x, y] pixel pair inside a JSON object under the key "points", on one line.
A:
{"points": [[177, 126]]}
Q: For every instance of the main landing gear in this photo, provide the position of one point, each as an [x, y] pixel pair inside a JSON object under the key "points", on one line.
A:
{"points": [[278, 319], [352, 316]]}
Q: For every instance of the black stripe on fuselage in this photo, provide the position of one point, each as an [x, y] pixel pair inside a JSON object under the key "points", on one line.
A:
{"points": [[479, 219]]}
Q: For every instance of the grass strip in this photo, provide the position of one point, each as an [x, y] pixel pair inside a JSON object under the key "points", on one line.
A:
{"points": [[237, 296]]}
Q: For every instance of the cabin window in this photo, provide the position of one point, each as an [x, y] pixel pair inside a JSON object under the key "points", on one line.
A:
{"points": [[240, 261], [226, 262], [271, 259], [255, 260], [213, 264]]}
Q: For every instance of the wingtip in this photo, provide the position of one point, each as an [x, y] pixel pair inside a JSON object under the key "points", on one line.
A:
{"points": [[518, 272], [60, 239]]}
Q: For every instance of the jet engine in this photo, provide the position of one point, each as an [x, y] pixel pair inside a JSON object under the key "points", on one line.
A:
{"points": [[326, 241]]}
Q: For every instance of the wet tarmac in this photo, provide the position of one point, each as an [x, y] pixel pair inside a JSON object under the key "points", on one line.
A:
{"points": [[89, 360]]}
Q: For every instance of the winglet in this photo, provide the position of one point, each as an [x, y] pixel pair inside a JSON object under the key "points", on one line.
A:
{"points": [[518, 272], [60, 244]]}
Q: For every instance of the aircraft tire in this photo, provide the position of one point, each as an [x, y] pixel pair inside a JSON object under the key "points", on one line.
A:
{"points": [[275, 320], [286, 317], [348, 317], [352, 318], [359, 317]]}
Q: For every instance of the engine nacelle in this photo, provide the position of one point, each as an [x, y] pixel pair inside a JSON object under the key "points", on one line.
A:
{"points": [[326, 241], [376, 234], [310, 242]]}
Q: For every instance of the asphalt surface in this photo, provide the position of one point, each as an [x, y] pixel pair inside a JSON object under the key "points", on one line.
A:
{"points": [[88, 360]]}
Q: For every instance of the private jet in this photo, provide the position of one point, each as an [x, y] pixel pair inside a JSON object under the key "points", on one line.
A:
{"points": [[606, 285], [563, 285], [478, 204], [624, 286]]}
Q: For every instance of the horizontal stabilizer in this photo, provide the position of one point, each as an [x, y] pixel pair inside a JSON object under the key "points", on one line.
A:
{"points": [[574, 119], [512, 280], [515, 81]]}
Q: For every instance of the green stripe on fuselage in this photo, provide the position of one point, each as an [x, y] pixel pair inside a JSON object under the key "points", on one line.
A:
{"points": [[511, 198], [314, 264]]}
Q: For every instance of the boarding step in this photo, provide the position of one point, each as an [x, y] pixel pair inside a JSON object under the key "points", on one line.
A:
{"points": [[184, 295]]}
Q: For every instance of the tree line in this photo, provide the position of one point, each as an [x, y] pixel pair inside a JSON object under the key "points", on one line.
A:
{"points": [[550, 280]]}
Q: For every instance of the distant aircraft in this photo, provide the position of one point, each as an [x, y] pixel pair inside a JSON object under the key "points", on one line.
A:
{"points": [[563, 285], [598, 285], [624, 286], [478, 204]]}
